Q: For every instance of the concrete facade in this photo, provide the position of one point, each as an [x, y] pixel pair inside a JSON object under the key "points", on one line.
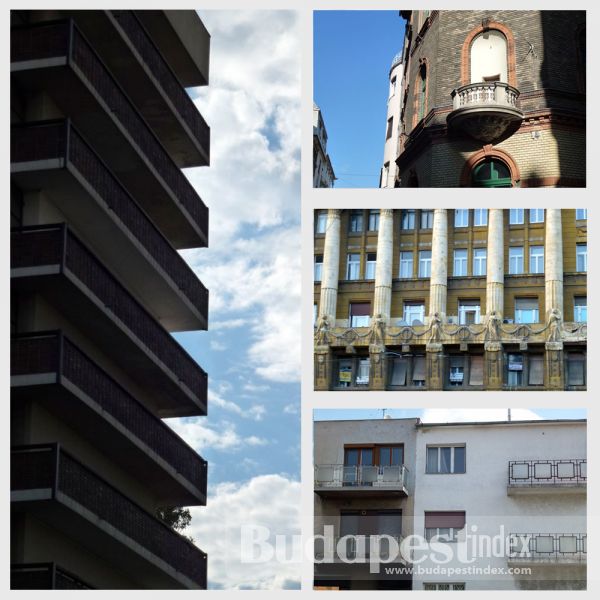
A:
{"points": [[518, 485], [101, 126], [493, 87], [464, 299]]}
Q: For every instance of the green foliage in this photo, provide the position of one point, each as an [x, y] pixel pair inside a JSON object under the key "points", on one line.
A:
{"points": [[176, 517]]}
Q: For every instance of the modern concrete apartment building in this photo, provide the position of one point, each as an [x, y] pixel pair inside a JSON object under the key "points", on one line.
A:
{"points": [[509, 496], [389, 170], [101, 128], [493, 98], [323, 175], [464, 299]]}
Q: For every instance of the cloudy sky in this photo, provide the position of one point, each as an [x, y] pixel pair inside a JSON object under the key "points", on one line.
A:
{"points": [[251, 437]]}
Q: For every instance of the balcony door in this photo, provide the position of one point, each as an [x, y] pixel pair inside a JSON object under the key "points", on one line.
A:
{"points": [[489, 58], [369, 522]]}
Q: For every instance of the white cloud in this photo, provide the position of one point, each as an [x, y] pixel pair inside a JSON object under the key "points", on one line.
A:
{"points": [[230, 324], [269, 501], [217, 345], [291, 409], [461, 415], [255, 412]]}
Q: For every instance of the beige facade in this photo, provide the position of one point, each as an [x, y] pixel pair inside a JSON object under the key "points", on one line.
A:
{"points": [[450, 299], [389, 170]]}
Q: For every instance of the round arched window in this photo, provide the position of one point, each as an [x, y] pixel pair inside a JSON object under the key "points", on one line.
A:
{"points": [[491, 173], [489, 57]]}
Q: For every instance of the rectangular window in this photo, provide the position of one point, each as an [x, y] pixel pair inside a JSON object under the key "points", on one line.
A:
{"points": [[385, 172], [581, 214], [371, 265], [536, 259], [418, 374], [476, 371], [373, 220], [399, 370], [527, 310], [580, 309], [536, 369], [576, 372], [406, 265], [516, 216], [426, 219], [582, 258], [390, 127], [321, 225], [515, 260], [469, 312], [445, 459], [408, 219], [444, 525], [456, 375], [392, 86], [515, 370], [460, 263], [536, 215], [425, 263], [461, 217], [318, 267], [479, 262], [360, 314], [356, 221], [414, 313], [353, 267], [362, 374], [480, 217]]}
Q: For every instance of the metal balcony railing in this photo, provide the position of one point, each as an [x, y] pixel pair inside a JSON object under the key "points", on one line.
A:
{"points": [[348, 476], [60, 140], [53, 352], [55, 245], [359, 547], [558, 472], [571, 547], [495, 93], [159, 67], [44, 576], [62, 39], [48, 467]]}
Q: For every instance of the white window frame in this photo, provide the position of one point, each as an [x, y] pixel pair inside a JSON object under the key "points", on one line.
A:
{"points": [[374, 219], [480, 216], [463, 309], [461, 262], [353, 267], [428, 214], [461, 217], [536, 260], [356, 216], [424, 264], [516, 260], [439, 447], [479, 262], [393, 84], [579, 311], [521, 313], [318, 271], [581, 258], [408, 219], [516, 216], [536, 215], [409, 308], [370, 266], [321, 222], [406, 265]]}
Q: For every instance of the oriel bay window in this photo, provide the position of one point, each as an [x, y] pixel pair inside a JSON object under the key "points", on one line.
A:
{"points": [[446, 459], [360, 314], [370, 265], [407, 371], [444, 526], [527, 310]]}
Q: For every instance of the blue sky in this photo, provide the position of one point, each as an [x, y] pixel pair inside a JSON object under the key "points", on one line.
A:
{"points": [[251, 351], [353, 52]]}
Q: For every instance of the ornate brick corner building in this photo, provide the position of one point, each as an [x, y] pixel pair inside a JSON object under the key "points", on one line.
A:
{"points": [[493, 99], [101, 127], [450, 299]]}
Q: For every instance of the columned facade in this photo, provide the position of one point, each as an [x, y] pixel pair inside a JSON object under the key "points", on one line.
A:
{"points": [[451, 300]]}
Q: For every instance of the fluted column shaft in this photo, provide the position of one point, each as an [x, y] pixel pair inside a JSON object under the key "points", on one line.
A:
{"points": [[495, 263], [331, 266], [382, 302], [438, 289], [553, 261]]}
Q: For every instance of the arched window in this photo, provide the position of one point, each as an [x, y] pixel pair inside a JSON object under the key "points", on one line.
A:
{"points": [[489, 57], [422, 91], [491, 172]]}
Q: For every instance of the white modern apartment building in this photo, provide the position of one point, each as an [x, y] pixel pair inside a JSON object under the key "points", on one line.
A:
{"points": [[491, 505], [389, 170]]}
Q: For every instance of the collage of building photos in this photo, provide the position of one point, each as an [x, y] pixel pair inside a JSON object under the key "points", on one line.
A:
{"points": [[468, 295]]}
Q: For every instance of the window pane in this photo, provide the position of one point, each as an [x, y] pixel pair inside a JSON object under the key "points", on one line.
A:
{"points": [[581, 257], [366, 456], [406, 265], [480, 216], [425, 263], [536, 259], [418, 369], [461, 217], [516, 216], [536, 370], [515, 260], [581, 213], [399, 371], [576, 368], [373, 220], [321, 222], [432, 460], [353, 266], [536, 215], [408, 219], [459, 459], [460, 263], [445, 454]]}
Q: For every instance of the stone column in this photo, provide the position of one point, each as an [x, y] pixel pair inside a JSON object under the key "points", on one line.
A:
{"points": [[331, 267], [328, 302], [494, 301], [438, 284], [382, 299], [553, 268]]}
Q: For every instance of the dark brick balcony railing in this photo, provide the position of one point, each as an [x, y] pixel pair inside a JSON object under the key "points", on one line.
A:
{"points": [[153, 58], [57, 247], [63, 41], [47, 467], [54, 353], [60, 140], [44, 576]]}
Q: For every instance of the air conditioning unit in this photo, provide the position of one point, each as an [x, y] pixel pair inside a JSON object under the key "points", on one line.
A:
{"points": [[452, 319], [508, 321]]}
